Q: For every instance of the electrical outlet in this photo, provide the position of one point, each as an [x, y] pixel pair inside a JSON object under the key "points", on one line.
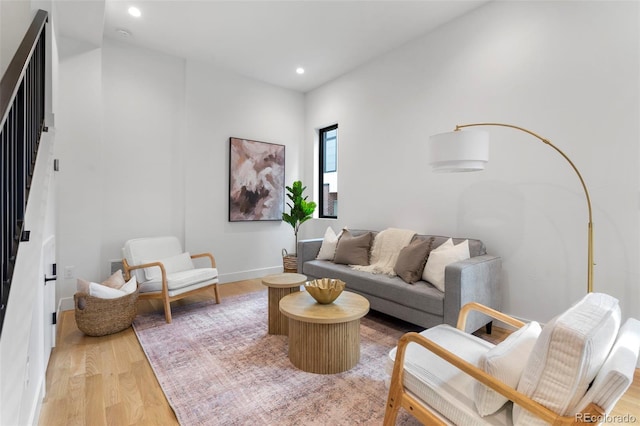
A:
{"points": [[69, 272]]}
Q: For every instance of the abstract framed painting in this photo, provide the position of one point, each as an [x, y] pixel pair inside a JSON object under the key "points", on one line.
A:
{"points": [[256, 180]]}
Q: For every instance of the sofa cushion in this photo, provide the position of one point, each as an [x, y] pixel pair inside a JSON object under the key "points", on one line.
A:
{"points": [[421, 295], [568, 354], [353, 250], [505, 362], [412, 259]]}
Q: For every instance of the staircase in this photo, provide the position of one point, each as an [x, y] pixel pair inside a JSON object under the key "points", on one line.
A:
{"points": [[27, 226], [22, 94]]}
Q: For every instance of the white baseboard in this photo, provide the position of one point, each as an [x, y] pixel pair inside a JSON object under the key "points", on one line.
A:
{"points": [[34, 415], [65, 304], [249, 275]]}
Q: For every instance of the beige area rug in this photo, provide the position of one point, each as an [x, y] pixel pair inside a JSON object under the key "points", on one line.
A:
{"points": [[218, 366]]}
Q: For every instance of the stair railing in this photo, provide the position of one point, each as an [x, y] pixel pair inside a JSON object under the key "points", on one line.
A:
{"points": [[22, 111]]}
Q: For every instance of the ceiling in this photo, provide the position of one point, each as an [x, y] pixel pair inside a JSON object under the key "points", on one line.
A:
{"points": [[266, 40]]}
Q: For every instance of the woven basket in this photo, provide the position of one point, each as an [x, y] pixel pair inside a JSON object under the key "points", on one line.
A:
{"points": [[289, 261], [99, 317]]}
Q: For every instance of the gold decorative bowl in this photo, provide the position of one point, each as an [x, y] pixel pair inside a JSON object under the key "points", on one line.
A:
{"points": [[325, 290]]}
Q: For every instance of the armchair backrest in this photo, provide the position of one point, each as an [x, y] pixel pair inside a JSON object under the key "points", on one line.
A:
{"points": [[140, 250], [568, 355]]}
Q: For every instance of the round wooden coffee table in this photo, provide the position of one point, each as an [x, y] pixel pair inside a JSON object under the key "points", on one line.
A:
{"points": [[281, 285], [324, 339]]}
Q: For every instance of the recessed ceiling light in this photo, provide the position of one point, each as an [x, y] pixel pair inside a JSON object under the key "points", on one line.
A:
{"points": [[134, 11], [300, 70]]}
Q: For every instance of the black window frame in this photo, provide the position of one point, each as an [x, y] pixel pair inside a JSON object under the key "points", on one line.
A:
{"points": [[322, 168]]}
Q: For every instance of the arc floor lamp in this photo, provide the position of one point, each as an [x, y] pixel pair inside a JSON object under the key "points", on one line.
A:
{"points": [[467, 151]]}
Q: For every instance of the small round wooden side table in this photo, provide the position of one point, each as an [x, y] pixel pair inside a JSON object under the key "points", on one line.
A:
{"points": [[324, 339], [281, 285]]}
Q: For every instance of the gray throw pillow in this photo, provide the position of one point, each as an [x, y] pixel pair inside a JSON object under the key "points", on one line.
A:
{"points": [[412, 259], [353, 250]]}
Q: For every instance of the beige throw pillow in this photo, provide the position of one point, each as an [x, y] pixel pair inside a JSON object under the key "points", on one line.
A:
{"points": [[412, 259], [442, 256], [116, 281], [353, 250]]}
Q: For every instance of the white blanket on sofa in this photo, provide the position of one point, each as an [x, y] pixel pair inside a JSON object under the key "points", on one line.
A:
{"points": [[385, 250]]}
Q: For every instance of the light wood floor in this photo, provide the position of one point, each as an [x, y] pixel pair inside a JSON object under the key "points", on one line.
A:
{"points": [[108, 381]]}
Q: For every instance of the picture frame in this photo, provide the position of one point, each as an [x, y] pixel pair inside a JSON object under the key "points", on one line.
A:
{"points": [[256, 180]]}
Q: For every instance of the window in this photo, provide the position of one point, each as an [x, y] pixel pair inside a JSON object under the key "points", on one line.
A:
{"points": [[328, 171]]}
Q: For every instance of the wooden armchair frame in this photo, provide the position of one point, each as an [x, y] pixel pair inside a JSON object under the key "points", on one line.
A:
{"points": [[164, 293], [399, 397]]}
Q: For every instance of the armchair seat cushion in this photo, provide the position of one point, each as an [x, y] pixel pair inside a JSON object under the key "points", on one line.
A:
{"points": [[442, 386], [181, 280]]}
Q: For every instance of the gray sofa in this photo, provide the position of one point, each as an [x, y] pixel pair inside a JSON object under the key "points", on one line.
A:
{"points": [[472, 280]]}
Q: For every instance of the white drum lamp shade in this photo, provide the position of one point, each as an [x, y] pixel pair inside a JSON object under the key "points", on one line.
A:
{"points": [[459, 151]]}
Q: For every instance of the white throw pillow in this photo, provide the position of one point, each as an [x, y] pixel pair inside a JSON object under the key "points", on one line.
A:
{"points": [[130, 286], [178, 263], [441, 257], [505, 362], [329, 244], [447, 244], [104, 292]]}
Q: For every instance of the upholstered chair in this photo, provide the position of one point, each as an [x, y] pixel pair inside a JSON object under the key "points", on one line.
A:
{"points": [[164, 271], [571, 371]]}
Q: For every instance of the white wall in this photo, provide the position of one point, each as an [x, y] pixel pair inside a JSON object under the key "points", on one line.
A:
{"points": [[144, 151], [15, 18], [142, 179], [222, 105], [567, 70], [78, 147]]}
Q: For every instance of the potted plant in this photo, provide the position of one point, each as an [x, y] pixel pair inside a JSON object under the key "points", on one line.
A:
{"points": [[300, 210]]}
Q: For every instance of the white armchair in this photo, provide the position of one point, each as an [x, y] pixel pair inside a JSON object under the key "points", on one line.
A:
{"points": [[165, 272], [572, 371]]}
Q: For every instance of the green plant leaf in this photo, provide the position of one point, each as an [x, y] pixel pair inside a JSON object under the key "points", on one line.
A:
{"points": [[300, 210]]}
